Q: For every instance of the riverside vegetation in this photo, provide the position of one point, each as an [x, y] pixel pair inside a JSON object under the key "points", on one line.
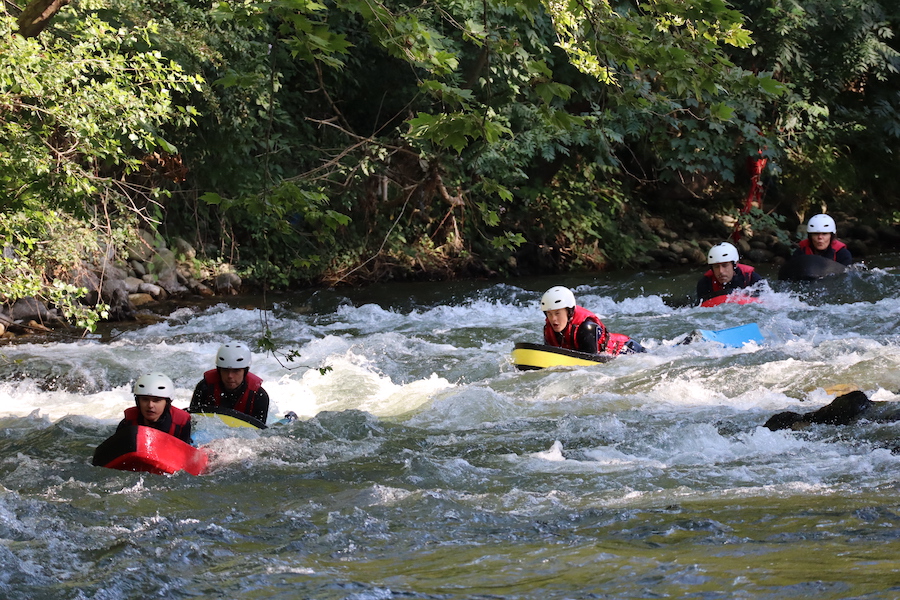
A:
{"points": [[189, 147]]}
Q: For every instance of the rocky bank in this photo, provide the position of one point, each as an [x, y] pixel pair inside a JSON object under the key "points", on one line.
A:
{"points": [[153, 272], [150, 273]]}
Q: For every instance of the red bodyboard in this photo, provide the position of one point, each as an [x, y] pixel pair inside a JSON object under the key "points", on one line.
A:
{"points": [[729, 299], [149, 450]]}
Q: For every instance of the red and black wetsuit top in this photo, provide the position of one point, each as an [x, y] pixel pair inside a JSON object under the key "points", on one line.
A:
{"points": [[249, 397], [607, 342], [709, 286], [836, 251], [173, 421]]}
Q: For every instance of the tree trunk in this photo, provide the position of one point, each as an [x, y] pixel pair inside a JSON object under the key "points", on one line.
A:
{"points": [[37, 15]]}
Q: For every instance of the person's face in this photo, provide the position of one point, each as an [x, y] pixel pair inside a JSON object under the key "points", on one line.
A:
{"points": [[723, 272], [558, 318], [820, 241], [231, 378], [151, 407]]}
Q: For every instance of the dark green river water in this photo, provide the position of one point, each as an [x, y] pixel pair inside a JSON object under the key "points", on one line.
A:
{"points": [[424, 465]]}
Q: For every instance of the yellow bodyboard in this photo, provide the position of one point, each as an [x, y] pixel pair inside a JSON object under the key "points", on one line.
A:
{"points": [[229, 420], [538, 356], [232, 418]]}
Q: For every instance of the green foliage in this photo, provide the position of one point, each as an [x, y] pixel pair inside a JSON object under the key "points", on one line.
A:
{"points": [[491, 97], [758, 220], [837, 124], [582, 217], [313, 142], [679, 42], [508, 240], [294, 230], [267, 344], [456, 131], [42, 249], [79, 110]]}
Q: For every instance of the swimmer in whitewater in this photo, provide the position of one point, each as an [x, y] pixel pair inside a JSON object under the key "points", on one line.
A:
{"points": [[725, 274], [821, 239], [153, 408], [570, 326], [232, 385]]}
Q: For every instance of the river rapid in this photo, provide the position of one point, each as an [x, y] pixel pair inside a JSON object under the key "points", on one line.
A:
{"points": [[424, 465]]}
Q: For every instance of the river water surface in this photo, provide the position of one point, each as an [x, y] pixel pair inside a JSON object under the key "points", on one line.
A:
{"points": [[424, 465]]}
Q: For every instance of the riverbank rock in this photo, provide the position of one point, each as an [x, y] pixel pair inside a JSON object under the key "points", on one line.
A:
{"points": [[30, 309], [151, 289], [114, 293], [141, 250], [200, 288], [140, 299], [184, 249], [106, 284], [147, 273], [700, 230], [168, 280], [228, 283], [5, 321], [132, 284]]}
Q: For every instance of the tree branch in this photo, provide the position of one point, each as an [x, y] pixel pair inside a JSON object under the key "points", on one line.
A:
{"points": [[37, 15]]}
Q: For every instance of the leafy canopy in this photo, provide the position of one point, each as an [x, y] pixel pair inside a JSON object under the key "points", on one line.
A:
{"points": [[80, 110]]}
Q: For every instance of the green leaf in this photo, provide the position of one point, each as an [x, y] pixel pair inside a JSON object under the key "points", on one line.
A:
{"points": [[166, 146], [721, 111], [211, 198]]}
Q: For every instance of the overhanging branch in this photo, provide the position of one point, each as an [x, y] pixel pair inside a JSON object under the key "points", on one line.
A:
{"points": [[37, 15]]}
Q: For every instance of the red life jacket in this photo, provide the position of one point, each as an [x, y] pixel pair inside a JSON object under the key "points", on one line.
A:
{"points": [[180, 418], [245, 402], [615, 342], [609, 343], [745, 270], [829, 252]]}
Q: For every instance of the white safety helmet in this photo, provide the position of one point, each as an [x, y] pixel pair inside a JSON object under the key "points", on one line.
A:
{"points": [[233, 356], [557, 297], [154, 384], [821, 224], [720, 253]]}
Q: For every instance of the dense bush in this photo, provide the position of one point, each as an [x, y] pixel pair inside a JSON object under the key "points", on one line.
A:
{"points": [[353, 140]]}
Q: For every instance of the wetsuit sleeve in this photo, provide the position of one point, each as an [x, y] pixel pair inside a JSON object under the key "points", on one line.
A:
{"points": [[704, 290], [632, 347], [185, 434], [754, 277], [202, 397], [844, 257], [798, 252], [586, 337], [261, 405]]}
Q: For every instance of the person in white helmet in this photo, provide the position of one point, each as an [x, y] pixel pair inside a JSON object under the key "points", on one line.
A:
{"points": [[153, 395], [821, 239], [232, 385], [725, 273], [573, 327]]}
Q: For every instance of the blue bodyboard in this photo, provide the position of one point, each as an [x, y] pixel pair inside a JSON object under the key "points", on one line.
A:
{"points": [[734, 336]]}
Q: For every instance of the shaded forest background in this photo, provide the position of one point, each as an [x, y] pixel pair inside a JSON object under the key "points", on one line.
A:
{"points": [[352, 141]]}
